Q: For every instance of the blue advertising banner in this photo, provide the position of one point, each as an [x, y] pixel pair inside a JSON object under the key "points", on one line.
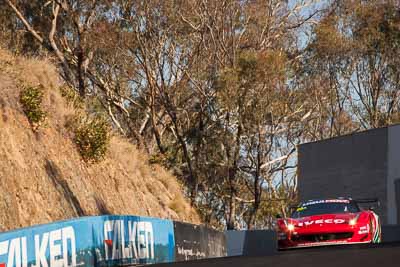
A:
{"points": [[133, 240], [90, 241]]}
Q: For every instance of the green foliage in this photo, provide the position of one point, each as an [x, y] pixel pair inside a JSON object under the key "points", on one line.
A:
{"points": [[92, 137], [169, 159], [31, 99], [71, 96], [217, 101]]}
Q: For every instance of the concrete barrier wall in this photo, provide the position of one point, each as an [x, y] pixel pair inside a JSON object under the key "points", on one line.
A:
{"points": [[251, 243], [108, 241], [390, 233], [194, 242], [235, 242], [90, 241]]}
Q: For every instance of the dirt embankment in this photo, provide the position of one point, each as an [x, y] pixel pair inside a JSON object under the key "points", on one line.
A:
{"points": [[42, 176]]}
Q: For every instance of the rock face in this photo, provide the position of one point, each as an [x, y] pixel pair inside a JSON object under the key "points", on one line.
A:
{"points": [[42, 176]]}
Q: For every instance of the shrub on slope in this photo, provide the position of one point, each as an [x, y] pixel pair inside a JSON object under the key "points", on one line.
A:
{"points": [[43, 177]]}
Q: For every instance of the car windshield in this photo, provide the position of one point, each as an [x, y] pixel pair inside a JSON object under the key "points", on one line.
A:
{"points": [[325, 207]]}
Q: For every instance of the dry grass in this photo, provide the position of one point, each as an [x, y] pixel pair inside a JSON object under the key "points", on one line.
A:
{"points": [[42, 175], [178, 204], [33, 72], [29, 71]]}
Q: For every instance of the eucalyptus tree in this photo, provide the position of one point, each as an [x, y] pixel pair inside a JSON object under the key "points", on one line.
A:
{"points": [[208, 88]]}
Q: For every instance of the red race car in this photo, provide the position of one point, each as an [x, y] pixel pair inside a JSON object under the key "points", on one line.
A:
{"points": [[329, 222]]}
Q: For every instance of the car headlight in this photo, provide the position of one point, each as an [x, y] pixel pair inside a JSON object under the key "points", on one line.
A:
{"points": [[353, 221], [290, 227]]}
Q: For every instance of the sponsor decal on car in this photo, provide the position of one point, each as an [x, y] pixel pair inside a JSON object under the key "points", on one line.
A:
{"points": [[301, 209], [325, 201], [327, 221], [364, 230]]}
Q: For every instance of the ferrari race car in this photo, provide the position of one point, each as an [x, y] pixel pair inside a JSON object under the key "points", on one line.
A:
{"points": [[329, 222]]}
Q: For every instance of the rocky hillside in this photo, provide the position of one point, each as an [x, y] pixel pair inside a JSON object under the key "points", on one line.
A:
{"points": [[42, 176]]}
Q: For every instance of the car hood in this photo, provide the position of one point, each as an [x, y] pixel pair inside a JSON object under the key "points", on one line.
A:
{"points": [[323, 220]]}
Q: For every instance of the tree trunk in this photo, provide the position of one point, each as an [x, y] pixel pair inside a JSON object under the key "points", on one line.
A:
{"points": [[230, 222]]}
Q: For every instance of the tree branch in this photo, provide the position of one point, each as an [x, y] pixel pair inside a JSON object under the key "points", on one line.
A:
{"points": [[25, 22]]}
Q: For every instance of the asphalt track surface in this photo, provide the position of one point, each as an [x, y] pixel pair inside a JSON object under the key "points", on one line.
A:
{"points": [[382, 255]]}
